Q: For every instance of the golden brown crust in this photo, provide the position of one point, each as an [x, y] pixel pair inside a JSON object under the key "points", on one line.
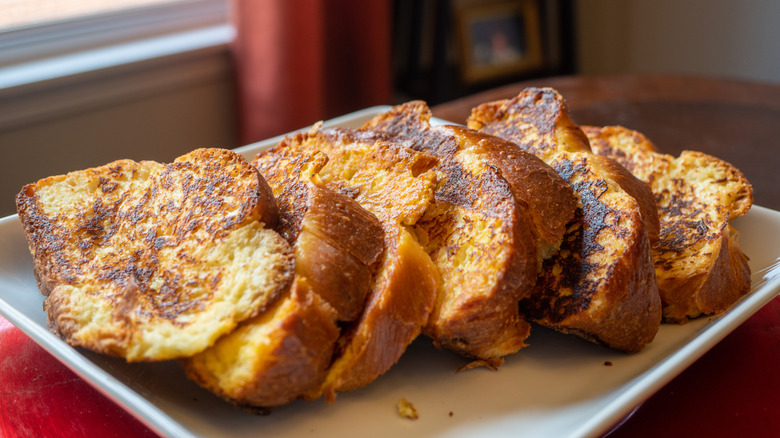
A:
{"points": [[487, 262], [602, 266], [714, 289], [392, 182], [286, 352], [394, 316], [485, 240], [537, 120], [609, 304], [698, 264], [136, 258], [337, 242], [612, 170], [274, 358], [49, 233], [339, 250], [551, 201], [396, 185], [289, 176]]}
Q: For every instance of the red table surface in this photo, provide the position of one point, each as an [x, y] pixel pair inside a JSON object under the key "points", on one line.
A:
{"points": [[731, 391]]}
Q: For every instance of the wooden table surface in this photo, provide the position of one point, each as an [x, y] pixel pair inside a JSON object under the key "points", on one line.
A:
{"points": [[733, 390]]}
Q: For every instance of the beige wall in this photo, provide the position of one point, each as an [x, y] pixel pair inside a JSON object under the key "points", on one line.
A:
{"points": [[728, 38], [158, 126]]}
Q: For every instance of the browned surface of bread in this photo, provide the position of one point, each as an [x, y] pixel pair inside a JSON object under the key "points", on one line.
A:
{"points": [[274, 358], [698, 263], [396, 185], [337, 242], [152, 261], [482, 230], [394, 315], [601, 284], [286, 352]]}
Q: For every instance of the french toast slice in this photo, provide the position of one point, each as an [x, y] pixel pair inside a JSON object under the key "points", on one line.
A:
{"points": [[151, 261], [497, 212], [282, 354], [601, 284], [698, 264], [396, 185]]}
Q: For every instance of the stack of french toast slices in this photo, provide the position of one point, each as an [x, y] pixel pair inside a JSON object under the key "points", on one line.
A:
{"points": [[308, 271]]}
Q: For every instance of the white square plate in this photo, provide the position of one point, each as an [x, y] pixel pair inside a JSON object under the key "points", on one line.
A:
{"points": [[558, 386]]}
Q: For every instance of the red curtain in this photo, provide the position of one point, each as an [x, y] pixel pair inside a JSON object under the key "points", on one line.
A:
{"points": [[300, 61]]}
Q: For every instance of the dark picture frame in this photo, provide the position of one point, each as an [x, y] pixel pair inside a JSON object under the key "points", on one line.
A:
{"points": [[498, 39]]}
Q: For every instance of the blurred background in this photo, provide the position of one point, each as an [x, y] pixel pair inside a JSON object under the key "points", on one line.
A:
{"points": [[85, 82]]}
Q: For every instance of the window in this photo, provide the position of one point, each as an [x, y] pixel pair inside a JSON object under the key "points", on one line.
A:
{"points": [[55, 53], [24, 13], [46, 36]]}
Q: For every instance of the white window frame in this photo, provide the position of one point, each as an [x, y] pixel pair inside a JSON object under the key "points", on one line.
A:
{"points": [[56, 68]]}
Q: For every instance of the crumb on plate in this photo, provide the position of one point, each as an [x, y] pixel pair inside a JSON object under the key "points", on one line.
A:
{"points": [[406, 409]]}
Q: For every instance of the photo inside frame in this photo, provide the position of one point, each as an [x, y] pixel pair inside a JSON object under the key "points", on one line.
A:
{"points": [[498, 39]]}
